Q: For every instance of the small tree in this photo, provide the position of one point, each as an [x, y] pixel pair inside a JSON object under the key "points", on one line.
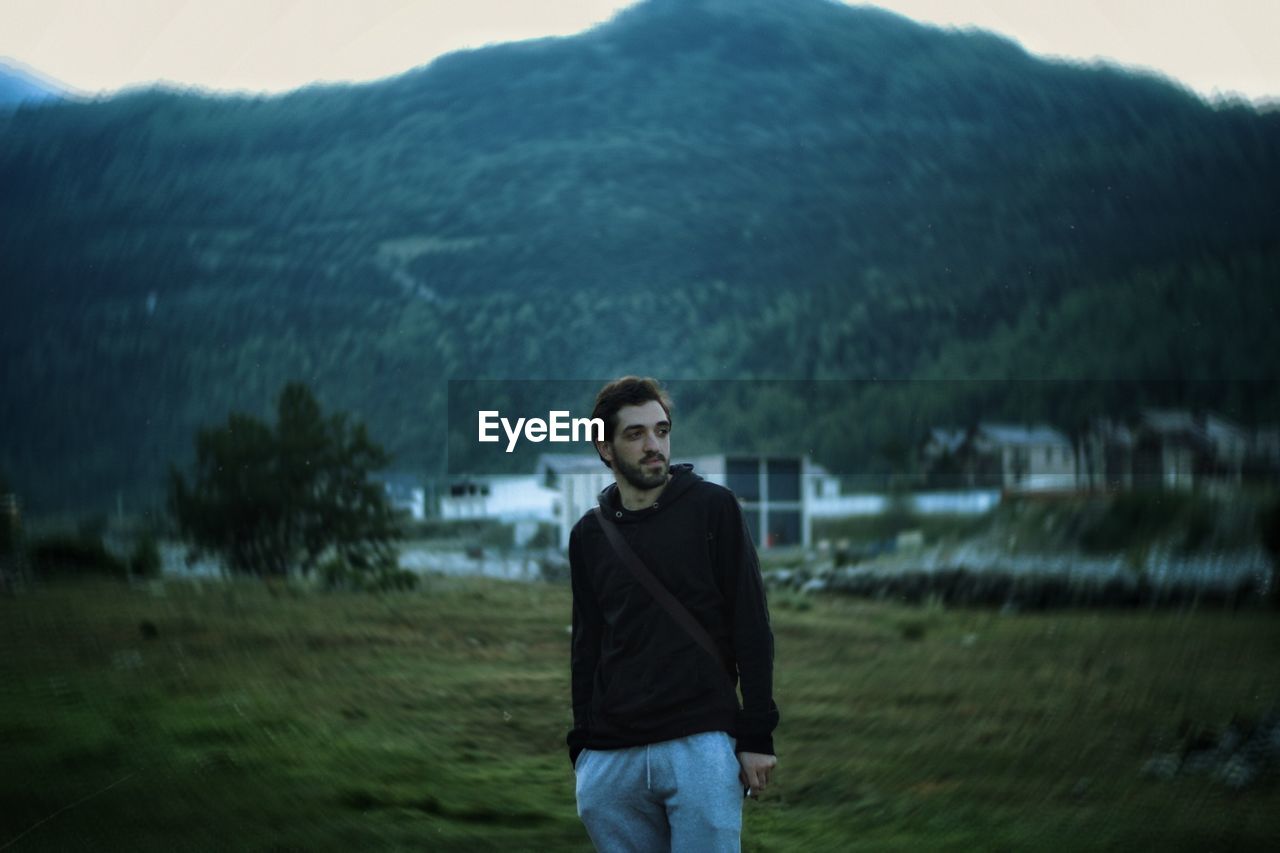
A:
{"points": [[269, 501]]}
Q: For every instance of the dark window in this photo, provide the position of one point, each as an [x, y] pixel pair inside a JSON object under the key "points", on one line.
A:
{"points": [[784, 528], [742, 476], [784, 479]]}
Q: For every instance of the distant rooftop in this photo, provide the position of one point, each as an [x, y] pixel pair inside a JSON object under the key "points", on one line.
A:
{"points": [[1037, 434]]}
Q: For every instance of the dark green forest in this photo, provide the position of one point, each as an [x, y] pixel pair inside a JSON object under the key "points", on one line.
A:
{"points": [[698, 189]]}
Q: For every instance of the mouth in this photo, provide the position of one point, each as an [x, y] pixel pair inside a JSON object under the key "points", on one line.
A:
{"points": [[653, 462]]}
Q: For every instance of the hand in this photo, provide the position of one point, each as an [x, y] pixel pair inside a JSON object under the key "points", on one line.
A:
{"points": [[756, 769]]}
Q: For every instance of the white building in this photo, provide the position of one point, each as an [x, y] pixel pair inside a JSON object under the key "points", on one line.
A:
{"points": [[500, 497], [577, 479]]}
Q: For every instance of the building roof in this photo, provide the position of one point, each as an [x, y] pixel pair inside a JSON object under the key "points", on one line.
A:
{"points": [[1013, 434], [1220, 430], [1174, 426], [1169, 421]]}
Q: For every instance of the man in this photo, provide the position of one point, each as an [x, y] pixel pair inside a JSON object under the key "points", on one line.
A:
{"points": [[660, 747]]}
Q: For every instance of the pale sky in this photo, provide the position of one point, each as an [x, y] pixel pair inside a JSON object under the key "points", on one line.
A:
{"points": [[1213, 46]]}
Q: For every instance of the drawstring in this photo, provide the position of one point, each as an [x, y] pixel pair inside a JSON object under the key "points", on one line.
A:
{"points": [[648, 778]]}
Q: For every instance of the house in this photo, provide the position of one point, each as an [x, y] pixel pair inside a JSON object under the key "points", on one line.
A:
{"points": [[1106, 457], [577, 479], [1182, 449], [821, 484], [1177, 449], [1228, 448], [1009, 457], [1171, 447], [1026, 458]]}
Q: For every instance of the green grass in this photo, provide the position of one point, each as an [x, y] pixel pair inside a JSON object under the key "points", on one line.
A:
{"points": [[435, 720]]}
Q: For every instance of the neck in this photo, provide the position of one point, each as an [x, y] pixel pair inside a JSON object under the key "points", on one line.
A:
{"points": [[636, 499]]}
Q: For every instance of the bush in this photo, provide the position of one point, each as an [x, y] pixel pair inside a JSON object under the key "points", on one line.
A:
{"points": [[338, 575], [1140, 518], [1269, 522], [145, 561], [74, 556]]}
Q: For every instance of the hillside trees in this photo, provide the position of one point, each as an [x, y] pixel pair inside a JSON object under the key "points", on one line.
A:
{"points": [[271, 501], [800, 190]]}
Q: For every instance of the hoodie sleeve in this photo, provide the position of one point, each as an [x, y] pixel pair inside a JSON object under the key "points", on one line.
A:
{"points": [[751, 635], [584, 647]]}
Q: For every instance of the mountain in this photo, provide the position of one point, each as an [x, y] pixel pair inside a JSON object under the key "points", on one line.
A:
{"points": [[717, 189], [20, 86]]}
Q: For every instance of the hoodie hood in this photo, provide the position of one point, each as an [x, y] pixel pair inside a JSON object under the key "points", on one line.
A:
{"points": [[682, 479]]}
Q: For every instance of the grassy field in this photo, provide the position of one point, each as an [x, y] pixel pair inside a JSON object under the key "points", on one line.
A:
{"points": [[435, 720]]}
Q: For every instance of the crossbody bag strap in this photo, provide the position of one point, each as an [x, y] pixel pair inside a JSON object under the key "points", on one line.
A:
{"points": [[659, 592]]}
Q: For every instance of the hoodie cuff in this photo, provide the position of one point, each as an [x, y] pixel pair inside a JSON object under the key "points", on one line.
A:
{"points": [[762, 744], [755, 730]]}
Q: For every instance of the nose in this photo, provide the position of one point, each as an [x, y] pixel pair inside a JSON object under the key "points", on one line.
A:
{"points": [[650, 442]]}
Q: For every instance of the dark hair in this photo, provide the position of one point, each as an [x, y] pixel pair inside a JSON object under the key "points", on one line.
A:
{"points": [[627, 391]]}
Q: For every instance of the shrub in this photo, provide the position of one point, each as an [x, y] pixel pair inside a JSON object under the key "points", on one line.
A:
{"points": [[1269, 522], [74, 556], [145, 561], [1140, 518], [337, 574]]}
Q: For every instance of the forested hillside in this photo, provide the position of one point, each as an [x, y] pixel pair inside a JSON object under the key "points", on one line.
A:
{"points": [[18, 86], [715, 189]]}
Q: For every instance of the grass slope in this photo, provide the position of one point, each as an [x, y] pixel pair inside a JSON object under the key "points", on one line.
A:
{"points": [[293, 721]]}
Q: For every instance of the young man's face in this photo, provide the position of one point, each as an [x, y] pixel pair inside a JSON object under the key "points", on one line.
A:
{"points": [[641, 446]]}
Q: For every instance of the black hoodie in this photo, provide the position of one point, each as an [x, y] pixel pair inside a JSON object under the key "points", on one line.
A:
{"points": [[640, 678]]}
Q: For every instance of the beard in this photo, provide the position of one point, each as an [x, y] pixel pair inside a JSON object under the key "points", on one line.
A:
{"points": [[642, 477]]}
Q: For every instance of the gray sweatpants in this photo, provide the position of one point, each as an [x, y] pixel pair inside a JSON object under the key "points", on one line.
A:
{"points": [[678, 795]]}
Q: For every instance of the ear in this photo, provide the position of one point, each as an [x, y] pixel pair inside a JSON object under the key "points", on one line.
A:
{"points": [[605, 450]]}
